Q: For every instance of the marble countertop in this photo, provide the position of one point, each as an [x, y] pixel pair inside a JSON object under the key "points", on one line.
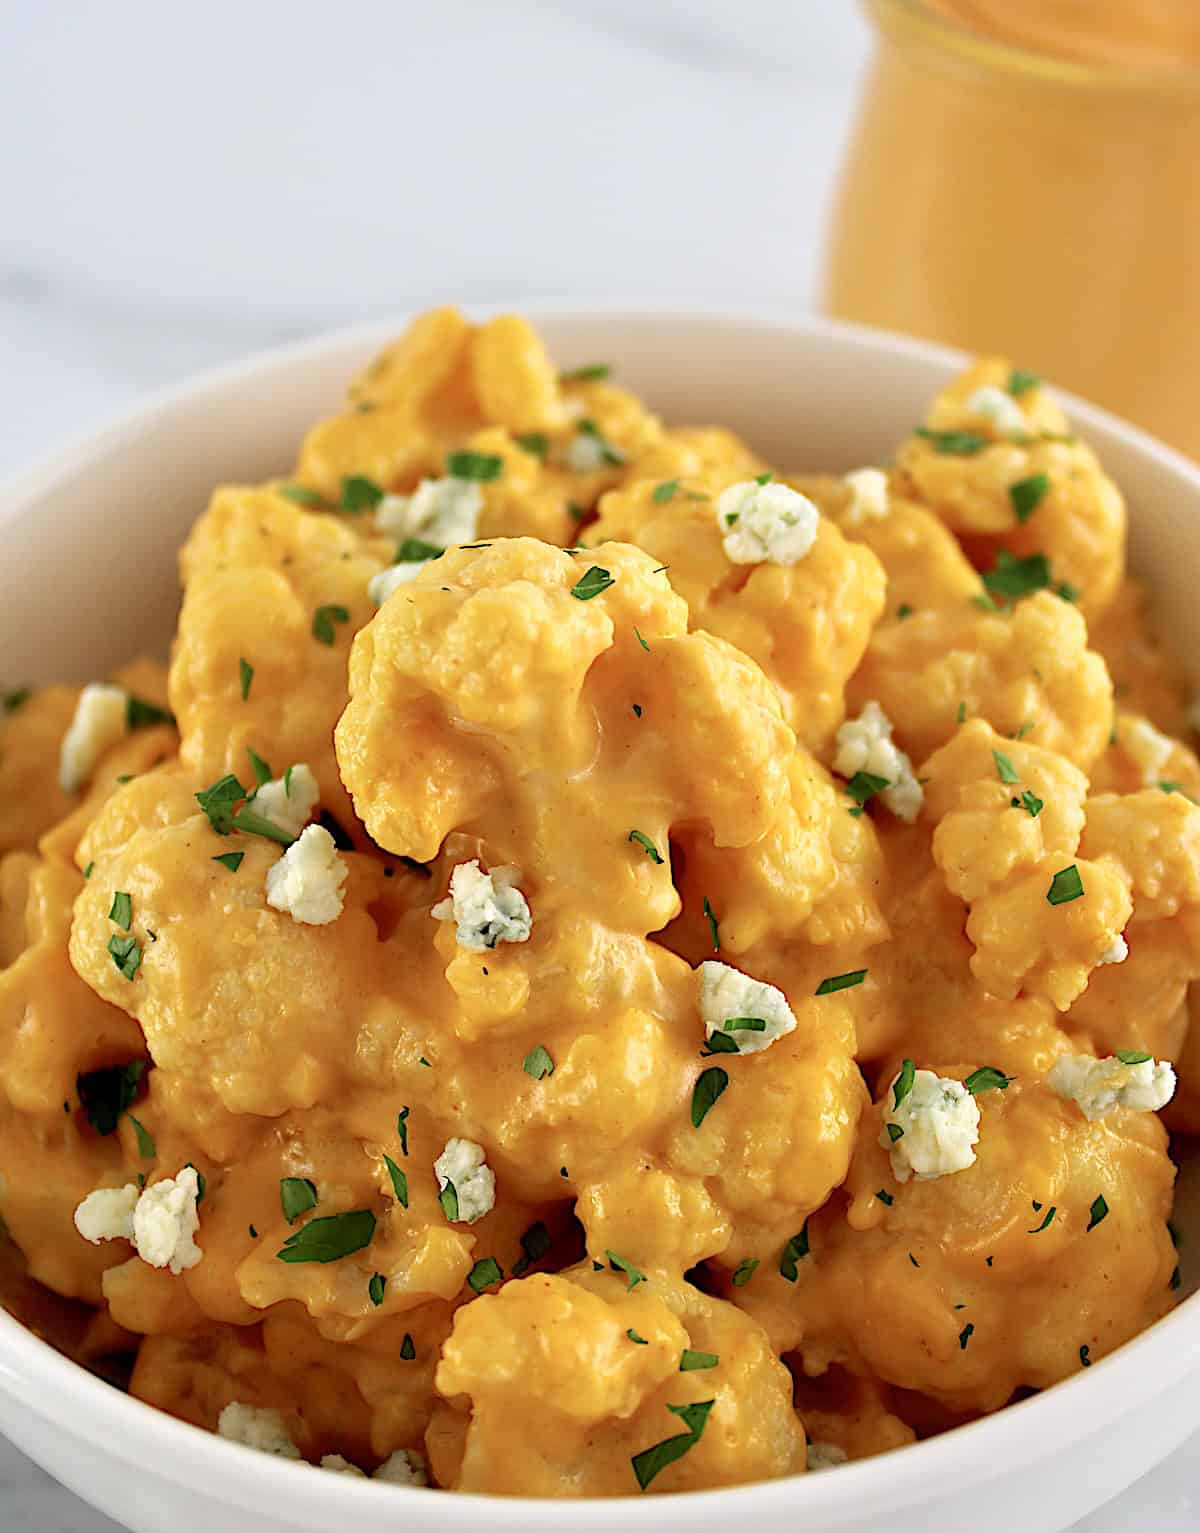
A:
{"points": [[198, 184]]}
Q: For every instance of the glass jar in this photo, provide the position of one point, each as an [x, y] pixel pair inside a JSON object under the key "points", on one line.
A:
{"points": [[1041, 206]]}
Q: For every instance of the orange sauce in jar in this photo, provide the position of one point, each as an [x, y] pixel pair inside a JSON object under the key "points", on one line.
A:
{"points": [[1023, 180]]}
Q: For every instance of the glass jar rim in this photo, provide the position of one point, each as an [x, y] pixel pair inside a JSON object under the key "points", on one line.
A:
{"points": [[917, 19]]}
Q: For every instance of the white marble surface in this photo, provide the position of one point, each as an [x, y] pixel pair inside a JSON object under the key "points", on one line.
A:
{"points": [[183, 185]]}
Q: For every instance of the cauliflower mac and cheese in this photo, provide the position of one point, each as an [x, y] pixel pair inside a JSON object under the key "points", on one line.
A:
{"points": [[603, 966]]}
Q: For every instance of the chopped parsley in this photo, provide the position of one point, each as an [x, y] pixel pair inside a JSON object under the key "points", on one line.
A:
{"points": [[652, 1461], [835, 982], [904, 1083], [953, 444], [1004, 767], [106, 1094], [375, 1288], [359, 494], [484, 1273], [619, 1264], [538, 1063], [638, 1341], [965, 1335], [764, 478], [535, 1243], [402, 1129], [794, 1251], [147, 1149], [1098, 1213], [1030, 802], [323, 622], [1046, 1222], [122, 910], [719, 1043], [1020, 382], [591, 583], [482, 467], [608, 452], [1133, 1056], [863, 786], [664, 492], [218, 803], [399, 1181], [987, 1078], [245, 676], [139, 714], [1065, 886], [87, 872], [642, 641], [646, 845], [710, 917], [1085, 1358], [297, 1195], [894, 1132], [903, 611], [536, 443], [885, 1197], [593, 372], [407, 1350], [448, 1198], [230, 860], [126, 954], [1027, 494], [708, 1089], [744, 1025], [1012, 578], [300, 494], [417, 551], [262, 772], [17, 698], [692, 1362], [744, 1272], [330, 1237]]}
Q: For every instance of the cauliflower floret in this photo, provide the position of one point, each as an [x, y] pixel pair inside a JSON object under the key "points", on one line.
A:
{"points": [[165, 1220], [868, 497], [487, 907], [307, 880], [755, 1015], [439, 511], [825, 1456], [288, 801], [101, 718], [404, 1467], [1101, 1086], [865, 745], [107, 1214], [933, 1130], [256, 1426], [461, 1169], [390, 580], [766, 523]]}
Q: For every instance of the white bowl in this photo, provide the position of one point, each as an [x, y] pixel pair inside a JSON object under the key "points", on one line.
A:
{"points": [[88, 578]]}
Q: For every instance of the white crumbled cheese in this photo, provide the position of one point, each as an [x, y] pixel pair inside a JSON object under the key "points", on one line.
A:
{"points": [[1117, 950], [1000, 409], [588, 452], [766, 523], [99, 722], [1101, 1086], [825, 1456], [307, 880], [107, 1214], [939, 1123], [865, 744], [336, 1464], [288, 801], [381, 586], [404, 1467], [257, 1426], [487, 907], [726, 995], [165, 1220], [439, 511], [868, 496], [1148, 747], [462, 1165]]}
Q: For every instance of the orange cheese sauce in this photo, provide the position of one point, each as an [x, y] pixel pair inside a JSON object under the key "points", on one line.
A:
{"points": [[483, 1202]]}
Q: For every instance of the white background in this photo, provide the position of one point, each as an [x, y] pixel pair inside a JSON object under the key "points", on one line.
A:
{"points": [[180, 185]]}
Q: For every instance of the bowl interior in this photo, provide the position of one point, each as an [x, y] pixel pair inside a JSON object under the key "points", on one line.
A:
{"points": [[91, 537]]}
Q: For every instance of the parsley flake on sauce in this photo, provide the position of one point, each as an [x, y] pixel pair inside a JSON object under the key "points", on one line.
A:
{"points": [[593, 372], [863, 786], [1027, 495], [146, 1147], [1097, 1214], [638, 1341], [1085, 1356], [399, 1180], [300, 495], [708, 1089], [987, 1078], [358, 494], [620, 1264], [692, 1362], [448, 1198], [1012, 578], [1065, 886], [1020, 382], [230, 860], [794, 1251], [329, 1238], [323, 622], [646, 845], [652, 1461], [262, 771], [484, 1273], [710, 917], [17, 698], [535, 443], [1046, 1222], [407, 1350], [1004, 768], [965, 1335], [297, 1195], [953, 444], [139, 714], [482, 467], [1030, 802], [122, 910], [535, 1243], [1133, 1056], [402, 1129], [538, 1063], [835, 982], [126, 954], [375, 1289], [744, 1272], [245, 677], [592, 582], [904, 1082]]}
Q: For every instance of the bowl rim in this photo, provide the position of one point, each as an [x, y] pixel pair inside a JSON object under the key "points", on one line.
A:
{"points": [[63, 1392]]}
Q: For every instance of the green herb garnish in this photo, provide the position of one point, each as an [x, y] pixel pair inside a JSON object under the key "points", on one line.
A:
{"points": [[591, 583], [535, 1243], [297, 1195], [399, 1181], [536, 443], [1133, 1056], [652, 1461], [482, 467], [710, 917], [863, 786], [245, 677], [1046, 1222], [794, 1251], [538, 1063], [484, 1273], [126, 954], [1098, 1213], [402, 1130], [904, 1082], [1065, 886], [592, 373], [1004, 767], [1020, 382], [1013, 578], [323, 622], [147, 1149], [230, 860], [448, 1198], [375, 1288], [300, 494], [139, 714], [694, 1362], [744, 1272], [330, 1237], [965, 1335], [987, 1078], [953, 444], [1027, 495], [619, 1264], [358, 494], [407, 1350], [122, 910], [835, 982], [17, 698], [707, 1091], [646, 845], [262, 772]]}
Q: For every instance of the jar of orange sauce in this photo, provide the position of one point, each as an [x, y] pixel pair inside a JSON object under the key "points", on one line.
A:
{"points": [[1024, 178]]}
